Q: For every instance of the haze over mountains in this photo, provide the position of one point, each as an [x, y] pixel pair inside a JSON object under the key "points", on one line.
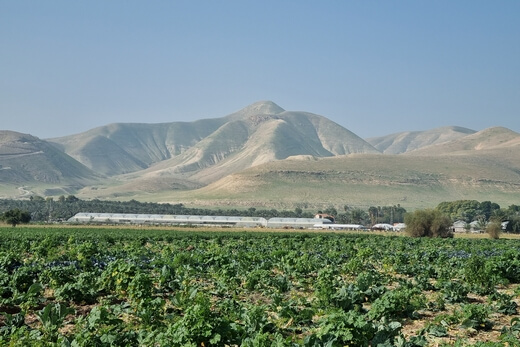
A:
{"points": [[252, 152]]}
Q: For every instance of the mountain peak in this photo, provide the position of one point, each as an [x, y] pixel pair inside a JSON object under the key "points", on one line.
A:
{"points": [[261, 107], [497, 131], [11, 136]]}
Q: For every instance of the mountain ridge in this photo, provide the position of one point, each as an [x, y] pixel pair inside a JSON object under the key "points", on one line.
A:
{"points": [[203, 160], [25, 159], [488, 139], [263, 130], [402, 142]]}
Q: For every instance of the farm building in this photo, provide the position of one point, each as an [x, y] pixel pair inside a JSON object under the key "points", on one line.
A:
{"points": [[460, 226]]}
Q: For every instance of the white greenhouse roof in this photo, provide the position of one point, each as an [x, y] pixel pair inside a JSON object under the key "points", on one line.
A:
{"points": [[161, 218], [128, 218]]}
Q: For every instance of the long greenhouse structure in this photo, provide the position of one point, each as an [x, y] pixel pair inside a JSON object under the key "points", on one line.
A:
{"points": [[194, 220]]}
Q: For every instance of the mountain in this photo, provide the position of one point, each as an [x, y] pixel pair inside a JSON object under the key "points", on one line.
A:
{"points": [[449, 164], [412, 181], [25, 159], [412, 140], [488, 141], [127, 147], [206, 150], [265, 156]]}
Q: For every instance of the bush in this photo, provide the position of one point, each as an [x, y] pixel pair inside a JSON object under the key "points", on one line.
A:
{"points": [[429, 223], [454, 291], [476, 316], [340, 328], [399, 303], [494, 229], [479, 275]]}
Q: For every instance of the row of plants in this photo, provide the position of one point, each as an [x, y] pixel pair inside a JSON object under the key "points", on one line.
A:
{"points": [[138, 287]]}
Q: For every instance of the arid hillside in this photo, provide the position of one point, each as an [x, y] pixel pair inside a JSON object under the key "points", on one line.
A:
{"points": [[263, 155]]}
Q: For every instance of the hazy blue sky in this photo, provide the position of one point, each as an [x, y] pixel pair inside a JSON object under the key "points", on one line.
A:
{"points": [[375, 67]]}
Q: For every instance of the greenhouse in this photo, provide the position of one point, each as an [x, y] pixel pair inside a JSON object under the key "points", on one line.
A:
{"points": [[158, 219], [192, 220], [296, 223]]}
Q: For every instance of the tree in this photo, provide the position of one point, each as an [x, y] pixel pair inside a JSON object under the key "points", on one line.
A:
{"points": [[373, 212], [331, 211], [468, 210], [428, 223], [16, 216], [487, 208], [461, 209], [481, 223], [358, 216], [71, 198], [513, 225]]}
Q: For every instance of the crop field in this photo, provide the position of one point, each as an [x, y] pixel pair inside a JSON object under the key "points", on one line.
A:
{"points": [[85, 286]]}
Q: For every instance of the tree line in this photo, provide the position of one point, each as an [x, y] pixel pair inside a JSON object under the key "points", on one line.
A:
{"points": [[39, 209], [483, 213], [438, 222], [373, 215], [64, 207]]}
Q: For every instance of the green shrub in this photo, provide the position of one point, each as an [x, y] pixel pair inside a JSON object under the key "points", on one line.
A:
{"points": [[428, 223], [82, 290], [398, 303], [117, 276], [342, 328], [478, 273], [453, 291], [503, 303], [476, 316], [494, 229]]}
